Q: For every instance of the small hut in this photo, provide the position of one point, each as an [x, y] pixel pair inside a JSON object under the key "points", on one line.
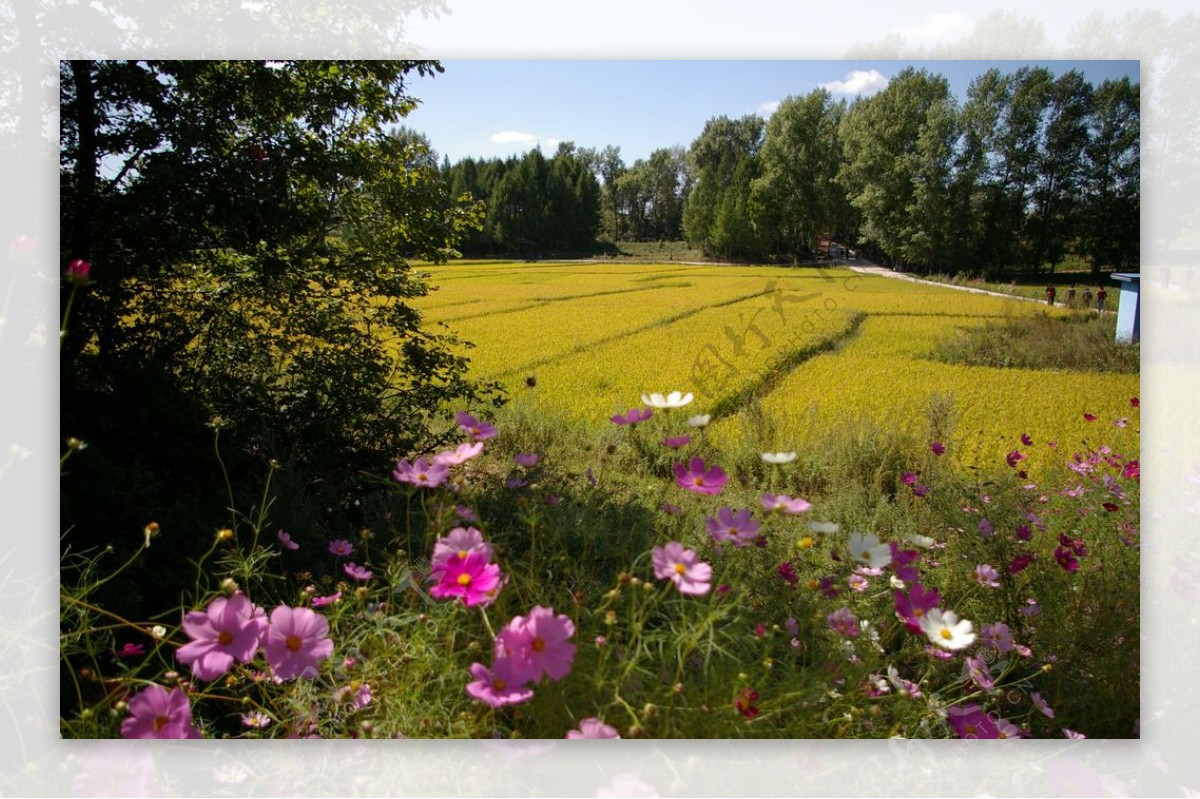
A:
{"points": [[1129, 313]]}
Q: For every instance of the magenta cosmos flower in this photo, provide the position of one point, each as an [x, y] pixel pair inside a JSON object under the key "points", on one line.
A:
{"points": [[458, 543], [156, 712], [341, 547], [296, 640], [461, 454], [937, 448], [681, 566], [229, 629], [421, 473], [782, 503], [593, 728], [737, 528], [478, 430], [285, 538], [526, 459], [675, 442], [696, 476], [538, 645], [500, 685], [472, 578], [969, 721], [844, 622], [912, 606], [633, 416]]}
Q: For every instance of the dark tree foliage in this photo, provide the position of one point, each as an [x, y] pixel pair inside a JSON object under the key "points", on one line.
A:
{"points": [[249, 225], [534, 205]]}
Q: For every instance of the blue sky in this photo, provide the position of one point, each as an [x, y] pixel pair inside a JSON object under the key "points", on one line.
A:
{"points": [[490, 109]]}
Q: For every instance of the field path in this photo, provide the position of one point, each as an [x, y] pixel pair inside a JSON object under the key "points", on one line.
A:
{"points": [[868, 268]]}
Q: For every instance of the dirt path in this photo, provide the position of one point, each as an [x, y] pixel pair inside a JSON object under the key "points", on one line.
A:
{"points": [[868, 268]]}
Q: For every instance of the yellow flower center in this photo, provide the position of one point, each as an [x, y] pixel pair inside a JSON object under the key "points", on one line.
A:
{"points": [[698, 481], [160, 722], [293, 643], [498, 684], [866, 554], [225, 638], [680, 568], [918, 613], [812, 584], [806, 542], [464, 579], [462, 554], [538, 645], [946, 634]]}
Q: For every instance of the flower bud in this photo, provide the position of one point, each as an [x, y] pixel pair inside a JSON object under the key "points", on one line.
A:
{"points": [[229, 586], [225, 534]]}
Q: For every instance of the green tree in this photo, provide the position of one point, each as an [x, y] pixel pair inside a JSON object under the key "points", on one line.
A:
{"points": [[795, 198], [897, 164], [724, 161], [249, 224], [1112, 186]]}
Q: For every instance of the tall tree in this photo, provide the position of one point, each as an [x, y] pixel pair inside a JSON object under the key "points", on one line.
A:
{"points": [[1112, 194], [896, 163], [724, 162], [1060, 169], [795, 197]]}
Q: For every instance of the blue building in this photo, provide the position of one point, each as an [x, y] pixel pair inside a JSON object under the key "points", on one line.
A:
{"points": [[1129, 313]]}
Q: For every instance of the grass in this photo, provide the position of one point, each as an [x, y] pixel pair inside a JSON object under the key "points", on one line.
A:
{"points": [[1082, 342]]}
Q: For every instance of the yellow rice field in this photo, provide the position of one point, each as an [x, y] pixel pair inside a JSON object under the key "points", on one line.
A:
{"points": [[597, 336]]}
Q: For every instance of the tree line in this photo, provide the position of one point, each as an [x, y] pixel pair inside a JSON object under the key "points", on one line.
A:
{"points": [[1028, 170]]}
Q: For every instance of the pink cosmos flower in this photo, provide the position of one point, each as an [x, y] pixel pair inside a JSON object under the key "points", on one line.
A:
{"points": [[229, 629], [675, 442], [461, 454], [843, 621], [985, 528], [997, 636], [295, 641], [699, 478], [465, 513], [671, 509], [909, 478], [782, 503], [478, 430], [1074, 736], [341, 547], [256, 719], [920, 490], [683, 567], [737, 528], [500, 685], [458, 543], [472, 578], [1089, 417], [633, 416], [593, 728], [526, 459], [156, 712], [1006, 729], [977, 667], [1132, 470], [286, 540], [131, 651], [937, 448], [1013, 457], [1027, 439], [987, 576], [322, 601], [859, 583], [356, 572], [538, 644], [1041, 705], [969, 721], [421, 473], [1122, 422]]}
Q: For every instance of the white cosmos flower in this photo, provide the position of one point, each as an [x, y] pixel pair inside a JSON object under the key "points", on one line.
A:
{"points": [[699, 421], [865, 548], [922, 541], [896, 583], [946, 630], [675, 399], [824, 527], [779, 457]]}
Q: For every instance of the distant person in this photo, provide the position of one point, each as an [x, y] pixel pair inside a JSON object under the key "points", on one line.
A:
{"points": [[1101, 296], [1071, 297], [1087, 298], [1051, 292]]}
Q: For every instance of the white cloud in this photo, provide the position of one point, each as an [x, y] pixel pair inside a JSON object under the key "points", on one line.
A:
{"points": [[937, 28], [513, 137], [858, 82], [768, 108], [551, 144]]}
